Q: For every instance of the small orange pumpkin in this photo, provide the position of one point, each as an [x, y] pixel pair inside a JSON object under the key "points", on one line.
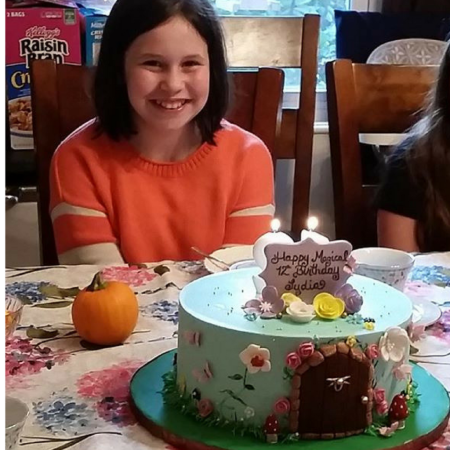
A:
{"points": [[106, 312]]}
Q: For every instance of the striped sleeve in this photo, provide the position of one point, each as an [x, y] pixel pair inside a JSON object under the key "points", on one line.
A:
{"points": [[254, 208], [83, 232]]}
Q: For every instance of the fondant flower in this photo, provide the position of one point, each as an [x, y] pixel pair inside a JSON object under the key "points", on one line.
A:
{"points": [[328, 307], [355, 319], [305, 350], [249, 412], [351, 297], [256, 358], [416, 332], [351, 341], [372, 351], [268, 307], [205, 407], [289, 297], [293, 360], [282, 406], [192, 337], [382, 408], [394, 344], [300, 312], [389, 431], [369, 326], [379, 395], [402, 371]]}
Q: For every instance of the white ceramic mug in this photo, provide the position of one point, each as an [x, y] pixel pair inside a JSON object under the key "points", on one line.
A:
{"points": [[16, 413], [384, 264]]}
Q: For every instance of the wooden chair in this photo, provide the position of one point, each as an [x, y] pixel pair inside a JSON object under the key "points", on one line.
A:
{"points": [[61, 103], [367, 98], [286, 42]]}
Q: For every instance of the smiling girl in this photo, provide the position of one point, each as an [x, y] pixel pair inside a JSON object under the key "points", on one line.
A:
{"points": [[159, 170]]}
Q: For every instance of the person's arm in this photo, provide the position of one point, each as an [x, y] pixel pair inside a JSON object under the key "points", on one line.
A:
{"points": [[83, 232], [395, 231], [254, 208], [400, 204]]}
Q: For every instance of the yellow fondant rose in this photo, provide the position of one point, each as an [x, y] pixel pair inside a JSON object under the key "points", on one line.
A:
{"points": [[288, 298], [327, 306], [351, 341]]}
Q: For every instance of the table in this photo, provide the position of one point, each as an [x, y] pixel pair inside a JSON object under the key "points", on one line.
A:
{"points": [[77, 393]]}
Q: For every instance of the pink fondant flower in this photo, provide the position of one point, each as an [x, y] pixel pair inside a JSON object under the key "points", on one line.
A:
{"points": [[389, 431], [402, 371], [293, 360], [379, 395], [416, 332], [268, 307], [372, 351], [382, 408], [282, 406], [256, 358], [205, 407], [192, 337], [305, 350]]}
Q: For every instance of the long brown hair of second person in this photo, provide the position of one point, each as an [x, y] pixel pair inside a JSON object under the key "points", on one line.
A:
{"points": [[428, 160]]}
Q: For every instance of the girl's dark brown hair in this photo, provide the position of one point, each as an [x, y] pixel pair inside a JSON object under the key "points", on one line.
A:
{"points": [[428, 159], [128, 20]]}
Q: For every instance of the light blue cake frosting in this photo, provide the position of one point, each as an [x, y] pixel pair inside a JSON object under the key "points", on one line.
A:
{"points": [[213, 331]]}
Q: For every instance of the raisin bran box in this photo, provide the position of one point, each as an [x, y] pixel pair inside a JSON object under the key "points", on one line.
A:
{"points": [[35, 30]]}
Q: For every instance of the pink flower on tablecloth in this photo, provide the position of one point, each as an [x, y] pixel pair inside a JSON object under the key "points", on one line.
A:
{"points": [[441, 329], [110, 387], [443, 443], [22, 358], [133, 276]]}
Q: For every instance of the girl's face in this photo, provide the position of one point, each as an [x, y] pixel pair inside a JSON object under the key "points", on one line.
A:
{"points": [[167, 75]]}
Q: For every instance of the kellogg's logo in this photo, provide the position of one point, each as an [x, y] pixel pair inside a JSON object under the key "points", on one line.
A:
{"points": [[42, 43]]}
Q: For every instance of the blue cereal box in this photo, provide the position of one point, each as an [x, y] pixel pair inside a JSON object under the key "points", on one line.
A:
{"points": [[93, 16]]}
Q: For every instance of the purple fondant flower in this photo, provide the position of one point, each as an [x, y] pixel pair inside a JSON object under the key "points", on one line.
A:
{"points": [[268, 307], [351, 297]]}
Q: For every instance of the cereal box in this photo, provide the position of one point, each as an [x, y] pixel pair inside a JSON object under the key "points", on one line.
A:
{"points": [[93, 22], [35, 30]]}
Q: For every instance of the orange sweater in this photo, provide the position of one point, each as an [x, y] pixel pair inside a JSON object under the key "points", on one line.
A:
{"points": [[109, 204]]}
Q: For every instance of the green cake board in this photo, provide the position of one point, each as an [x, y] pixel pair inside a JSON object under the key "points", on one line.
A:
{"points": [[422, 427]]}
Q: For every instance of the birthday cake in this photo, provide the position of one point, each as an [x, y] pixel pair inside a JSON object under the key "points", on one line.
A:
{"points": [[296, 348]]}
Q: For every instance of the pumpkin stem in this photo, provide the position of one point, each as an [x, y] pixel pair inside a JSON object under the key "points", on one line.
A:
{"points": [[97, 283]]}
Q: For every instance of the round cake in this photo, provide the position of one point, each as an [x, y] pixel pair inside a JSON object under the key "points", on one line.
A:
{"points": [[283, 378]]}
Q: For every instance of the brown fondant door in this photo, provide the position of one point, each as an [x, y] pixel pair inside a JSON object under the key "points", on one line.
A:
{"points": [[334, 398]]}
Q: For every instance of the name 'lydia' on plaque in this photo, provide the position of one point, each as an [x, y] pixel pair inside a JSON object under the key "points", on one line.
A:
{"points": [[307, 268]]}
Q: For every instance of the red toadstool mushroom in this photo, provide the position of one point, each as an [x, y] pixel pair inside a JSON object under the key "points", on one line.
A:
{"points": [[271, 429], [399, 409]]}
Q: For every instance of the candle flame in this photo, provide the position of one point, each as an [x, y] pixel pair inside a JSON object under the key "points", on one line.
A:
{"points": [[312, 223], [275, 225]]}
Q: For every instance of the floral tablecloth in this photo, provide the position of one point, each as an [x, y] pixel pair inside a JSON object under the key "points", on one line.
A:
{"points": [[78, 394]]}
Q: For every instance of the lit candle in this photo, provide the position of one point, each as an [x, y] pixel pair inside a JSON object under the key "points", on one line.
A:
{"points": [[272, 237], [312, 224]]}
